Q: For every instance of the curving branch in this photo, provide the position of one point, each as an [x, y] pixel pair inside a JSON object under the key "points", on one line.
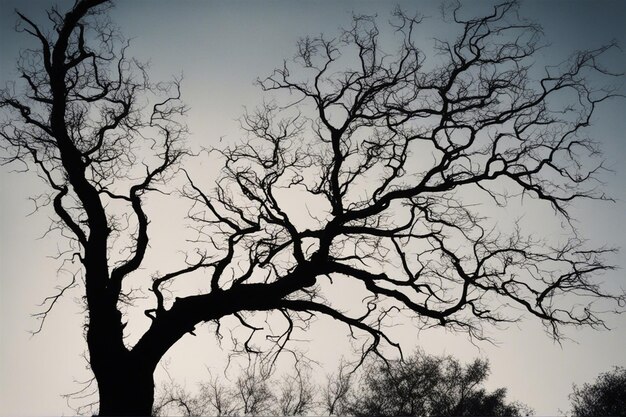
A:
{"points": [[379, 173]]}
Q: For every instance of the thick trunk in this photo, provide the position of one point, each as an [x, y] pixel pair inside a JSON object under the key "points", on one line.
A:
{"points": [[126, 391], [125, 380]]}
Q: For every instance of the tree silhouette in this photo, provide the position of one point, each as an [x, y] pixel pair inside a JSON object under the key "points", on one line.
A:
{"points": [[421, 385], [385, 147], [604, 397], [424, 385], [254, 392]]}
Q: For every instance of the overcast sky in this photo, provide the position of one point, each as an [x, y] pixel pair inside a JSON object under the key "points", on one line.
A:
{"points": [[221, 47]]}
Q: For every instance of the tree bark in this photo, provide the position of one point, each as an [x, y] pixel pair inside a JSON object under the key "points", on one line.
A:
{"points": [[126, 389], [125, 379]]}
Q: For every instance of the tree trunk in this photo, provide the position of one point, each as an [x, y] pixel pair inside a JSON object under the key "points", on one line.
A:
{"points": [[126, 393], [125, 379], [126, 389]]}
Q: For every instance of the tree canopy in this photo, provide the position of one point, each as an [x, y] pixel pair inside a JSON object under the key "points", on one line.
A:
{"points": [[359, 173], [606, 396], [426, 385]]}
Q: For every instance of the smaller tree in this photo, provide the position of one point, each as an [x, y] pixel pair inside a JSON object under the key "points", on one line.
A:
{"points": [[605, 397], [425, 385], [255, 391], [422, 385]]}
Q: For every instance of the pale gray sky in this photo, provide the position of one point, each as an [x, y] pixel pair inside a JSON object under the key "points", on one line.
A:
{"points": [[221, 47]]}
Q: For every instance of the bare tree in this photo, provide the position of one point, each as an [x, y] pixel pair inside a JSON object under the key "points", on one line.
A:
{"points": [[174, 397], [254, 392], [337, 393], [384, 145], [101, 136], [220, 398], [297, 393]]}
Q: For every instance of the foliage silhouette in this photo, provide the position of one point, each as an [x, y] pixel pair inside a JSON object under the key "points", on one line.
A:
{"points": [[604, 397], [386, 145], [426, 385]]}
